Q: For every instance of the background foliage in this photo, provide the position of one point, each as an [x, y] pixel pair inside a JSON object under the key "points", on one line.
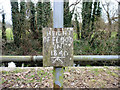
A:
{"points": [[91, 36]]}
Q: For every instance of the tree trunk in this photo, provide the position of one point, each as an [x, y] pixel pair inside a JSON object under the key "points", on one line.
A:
{"points": [[93, 16], [86, 19], [46, 14], [15, 22], [32, 20], [3, 27], [96, 14], [40, 21], [43, 17], [109, 25], [78, 28], [22, 18], [67, 14], [118, 49]]}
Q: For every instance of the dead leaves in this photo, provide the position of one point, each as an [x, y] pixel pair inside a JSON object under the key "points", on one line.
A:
{"points": [[75, 77], [91, 77], [29, 78]]}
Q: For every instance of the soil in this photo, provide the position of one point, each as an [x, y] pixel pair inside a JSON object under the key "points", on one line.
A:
{"points": [[74, 77]]}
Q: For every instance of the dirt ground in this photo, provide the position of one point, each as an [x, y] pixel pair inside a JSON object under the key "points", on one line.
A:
{"points": [[74, 77]]}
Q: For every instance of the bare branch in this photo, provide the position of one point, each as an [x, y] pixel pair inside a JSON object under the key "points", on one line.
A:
{"points": [[77, 2]]}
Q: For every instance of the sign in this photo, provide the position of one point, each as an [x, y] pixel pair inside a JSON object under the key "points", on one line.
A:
{"points": [[57, 47]]}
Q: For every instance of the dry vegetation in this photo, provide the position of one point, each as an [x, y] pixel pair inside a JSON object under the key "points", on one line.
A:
{"points": [[74, 77]]}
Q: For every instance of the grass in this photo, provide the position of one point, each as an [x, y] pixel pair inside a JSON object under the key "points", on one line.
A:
{"points": [[18, 79], [93, 80], [95, 71], [30, 77], [88, 66], [101, 69], [41, 76], [9, 34], [18, 70], [114, 74], [3, 80], [5, 72]]}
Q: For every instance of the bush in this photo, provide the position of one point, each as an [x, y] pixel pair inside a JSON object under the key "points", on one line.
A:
{"points": [[101, 47]]}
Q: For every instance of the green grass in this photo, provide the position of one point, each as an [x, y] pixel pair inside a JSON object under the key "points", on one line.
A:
{"points": [[95, 71], [93, 80], [18, 70], [9, 34], [88, 66], [3, 80], [101, 69], [18, 79], [112, 73], [5, 72]]}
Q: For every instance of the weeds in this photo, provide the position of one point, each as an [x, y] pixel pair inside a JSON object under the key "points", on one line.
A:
{"points": [[3, 80], [114, 74], [5, 72], [95, 71], [93, 80], [18, 70]]}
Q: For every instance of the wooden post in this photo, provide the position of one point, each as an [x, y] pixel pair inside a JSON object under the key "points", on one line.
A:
{"points": [[58, 45]]}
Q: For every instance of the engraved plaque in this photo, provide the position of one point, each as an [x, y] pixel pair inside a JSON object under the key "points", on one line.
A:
{"points": [[58, 47]]}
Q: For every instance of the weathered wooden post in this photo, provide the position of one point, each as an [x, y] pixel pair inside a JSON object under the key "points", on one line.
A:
{"points": [[58, 45]]}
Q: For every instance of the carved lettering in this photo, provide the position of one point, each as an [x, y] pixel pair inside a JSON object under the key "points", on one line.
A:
{"points": [[60, 44]]}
